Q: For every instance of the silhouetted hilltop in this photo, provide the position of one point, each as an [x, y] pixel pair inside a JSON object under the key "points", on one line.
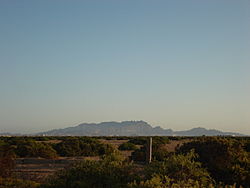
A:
{"points": [[199, 131], [130, 128]]}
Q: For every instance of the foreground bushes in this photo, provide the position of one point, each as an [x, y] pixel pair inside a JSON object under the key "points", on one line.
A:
{"points": [[203, 162], [127, 146], [110, 172], [65, 147], [82, 146], [225, 159], [17, 183], [179, 168], [35, 149], [7, 160], [159, 152]]}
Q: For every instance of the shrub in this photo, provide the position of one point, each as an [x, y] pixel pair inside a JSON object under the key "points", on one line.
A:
{"points": [[127, 146], [110, 172], [158, 150], [7, 160], [180, 168], [82, 146], [17, 183], [35, 149], [224, 158]]}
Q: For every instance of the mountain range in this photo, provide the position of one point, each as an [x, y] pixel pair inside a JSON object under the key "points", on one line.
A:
{"points": [[131, 128]]}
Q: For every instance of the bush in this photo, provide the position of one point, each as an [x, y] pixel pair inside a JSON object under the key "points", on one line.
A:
{"points": [[180, 168], [158, 150], [127, 146], [139, 140], [17, 183], [35, 149], [110, 172], [224, 158], [139, 155], [247, 146], [165, 182], [7, 160], [82, 146]]}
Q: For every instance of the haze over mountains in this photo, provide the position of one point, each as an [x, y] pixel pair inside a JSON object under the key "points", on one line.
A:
{"points": [[130, 128]]}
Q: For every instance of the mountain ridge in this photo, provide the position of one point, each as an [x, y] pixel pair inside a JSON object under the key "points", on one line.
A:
{"points": [[131, 128]]}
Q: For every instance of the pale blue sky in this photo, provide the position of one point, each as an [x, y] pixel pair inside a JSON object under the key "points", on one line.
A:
{"points": [[177, 64]]}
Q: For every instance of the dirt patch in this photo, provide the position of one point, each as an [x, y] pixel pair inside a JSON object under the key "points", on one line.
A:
{"points": [[115, 143], [51, 141], [174, 144], [38, 169]]}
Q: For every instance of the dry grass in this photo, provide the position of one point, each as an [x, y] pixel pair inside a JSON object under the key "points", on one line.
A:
{"points": [[51, 141], [174, 144], [115, 143], [38, 169]]}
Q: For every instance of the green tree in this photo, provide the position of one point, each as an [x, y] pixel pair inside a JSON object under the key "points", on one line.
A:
{"points": [[179, 168], [224, 158]]}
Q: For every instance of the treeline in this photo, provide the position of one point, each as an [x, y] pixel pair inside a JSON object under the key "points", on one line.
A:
{"points": [[64, 146], [202, 162], [214, 162]]}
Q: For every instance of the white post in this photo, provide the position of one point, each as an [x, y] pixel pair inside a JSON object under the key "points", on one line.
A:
{"points": [[149, 151]]}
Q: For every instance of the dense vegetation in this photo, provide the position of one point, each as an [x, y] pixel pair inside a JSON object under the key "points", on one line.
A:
{"points": [[111, 171], [127, 146], [159, 152], [44, 147], [82, 146], [225, 159], [201, 162]]}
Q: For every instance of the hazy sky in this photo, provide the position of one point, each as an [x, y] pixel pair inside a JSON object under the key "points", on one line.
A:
{"points": [[178, 64]]}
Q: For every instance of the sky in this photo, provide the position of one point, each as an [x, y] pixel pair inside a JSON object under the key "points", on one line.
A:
{"points": [[175, 64]]}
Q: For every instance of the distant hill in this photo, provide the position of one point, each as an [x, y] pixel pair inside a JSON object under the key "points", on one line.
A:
{"points": [[10, 134], [199, 131], [130, 128]]}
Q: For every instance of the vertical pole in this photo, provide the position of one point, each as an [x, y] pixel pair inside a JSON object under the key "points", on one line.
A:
{"points": [[149, 151]]}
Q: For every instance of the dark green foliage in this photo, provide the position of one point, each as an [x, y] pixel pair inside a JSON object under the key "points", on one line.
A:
{"points": [[142, 140], [32, 148], [69, 146], [165, 182], [139, 140], [110, 172], [17, 140], [180, 168], [160, 153], [247, 146], [224, 158], [158, 150], [160, 140], [77, 146], [139, 155], [127, 146], [203, 162], [42, 138], [7, 160], [17, 183]]}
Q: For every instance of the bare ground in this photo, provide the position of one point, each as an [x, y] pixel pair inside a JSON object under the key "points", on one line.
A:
{"points": [[174, 144], [38, 169]]}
